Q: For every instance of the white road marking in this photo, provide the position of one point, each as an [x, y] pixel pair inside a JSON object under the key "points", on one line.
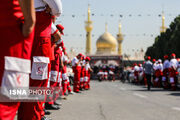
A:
{"points": [[139, 95], [176, 108]]}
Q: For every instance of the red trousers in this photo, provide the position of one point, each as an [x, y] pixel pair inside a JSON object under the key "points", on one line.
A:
{"points": [[77, 75], [173, 79], [53, 86], [54, 80], [14, 45], [82, 77], [41, 47], [58, 92], [69, 87], [136, 76], [64, 85]]}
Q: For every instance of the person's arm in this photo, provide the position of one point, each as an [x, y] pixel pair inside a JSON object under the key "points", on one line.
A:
{"points": [[27, 7], [90, 69], [61, 62], [56, 35], [77, 62]]}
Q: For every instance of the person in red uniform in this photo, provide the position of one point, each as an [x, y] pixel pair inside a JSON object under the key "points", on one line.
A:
{"points": [[173, 71], [77, 72], [41, 54], [69, 87], [136, 73], [158, 74], [88, 73], [64, 72], [60, 64], [17, 19], [58, 85], [83, 62], [67, 61], [55, 36], [166, 68], [154, 69]]}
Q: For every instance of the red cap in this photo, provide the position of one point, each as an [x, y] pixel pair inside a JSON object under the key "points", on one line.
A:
{"points": [[166, 57], [149, 58], [60, 28], [173, 55], [88, 58], [135, 64], [80, 54], [154, 60], [83, 57]]}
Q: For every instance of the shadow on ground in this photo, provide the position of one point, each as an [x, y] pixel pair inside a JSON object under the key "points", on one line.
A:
{"points": [[152, 90], [174, 94]]}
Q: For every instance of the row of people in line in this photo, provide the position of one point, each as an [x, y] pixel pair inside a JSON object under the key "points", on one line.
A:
{"points": [[164, 74], [32, 54], [105, 74]]}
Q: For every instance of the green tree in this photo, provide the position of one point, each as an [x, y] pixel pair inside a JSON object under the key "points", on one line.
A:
{"points": [[166, 43]]}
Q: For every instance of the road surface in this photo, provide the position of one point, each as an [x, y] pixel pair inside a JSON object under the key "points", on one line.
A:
{"points": [[118, 101]]}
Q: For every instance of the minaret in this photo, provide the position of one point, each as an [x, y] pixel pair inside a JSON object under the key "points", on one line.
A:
{"points": [[163, 27], [88, 28], [106, 27], [120, 40]]}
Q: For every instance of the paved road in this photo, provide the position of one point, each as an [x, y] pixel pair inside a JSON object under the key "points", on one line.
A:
{"points": [[118, 101]]}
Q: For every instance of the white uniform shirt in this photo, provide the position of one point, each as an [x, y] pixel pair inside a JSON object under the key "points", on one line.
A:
{"points": [[136, 68], [87, 67], [55, 5], [83, 63], [141, 69], [166, 64], [100, 73], [159, 67], [174, 63], [74, 61], [154, 66]]}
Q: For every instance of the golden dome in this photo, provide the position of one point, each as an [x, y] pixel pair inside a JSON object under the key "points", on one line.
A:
{"points": [[106, 44]]}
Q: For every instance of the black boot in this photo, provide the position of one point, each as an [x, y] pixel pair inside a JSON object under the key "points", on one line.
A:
{"points": [[45, 118], [47, 112], [56, 103], [51, 107]]}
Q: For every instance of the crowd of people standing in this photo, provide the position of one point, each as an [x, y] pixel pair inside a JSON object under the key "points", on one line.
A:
{"points": [[158, 73], [33, 54]]}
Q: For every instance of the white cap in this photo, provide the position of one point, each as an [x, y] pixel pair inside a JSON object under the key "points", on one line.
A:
{"points": [[160, 60]]}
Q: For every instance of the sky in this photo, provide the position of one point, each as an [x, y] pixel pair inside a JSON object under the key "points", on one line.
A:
{"points": [[140, 21]]}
